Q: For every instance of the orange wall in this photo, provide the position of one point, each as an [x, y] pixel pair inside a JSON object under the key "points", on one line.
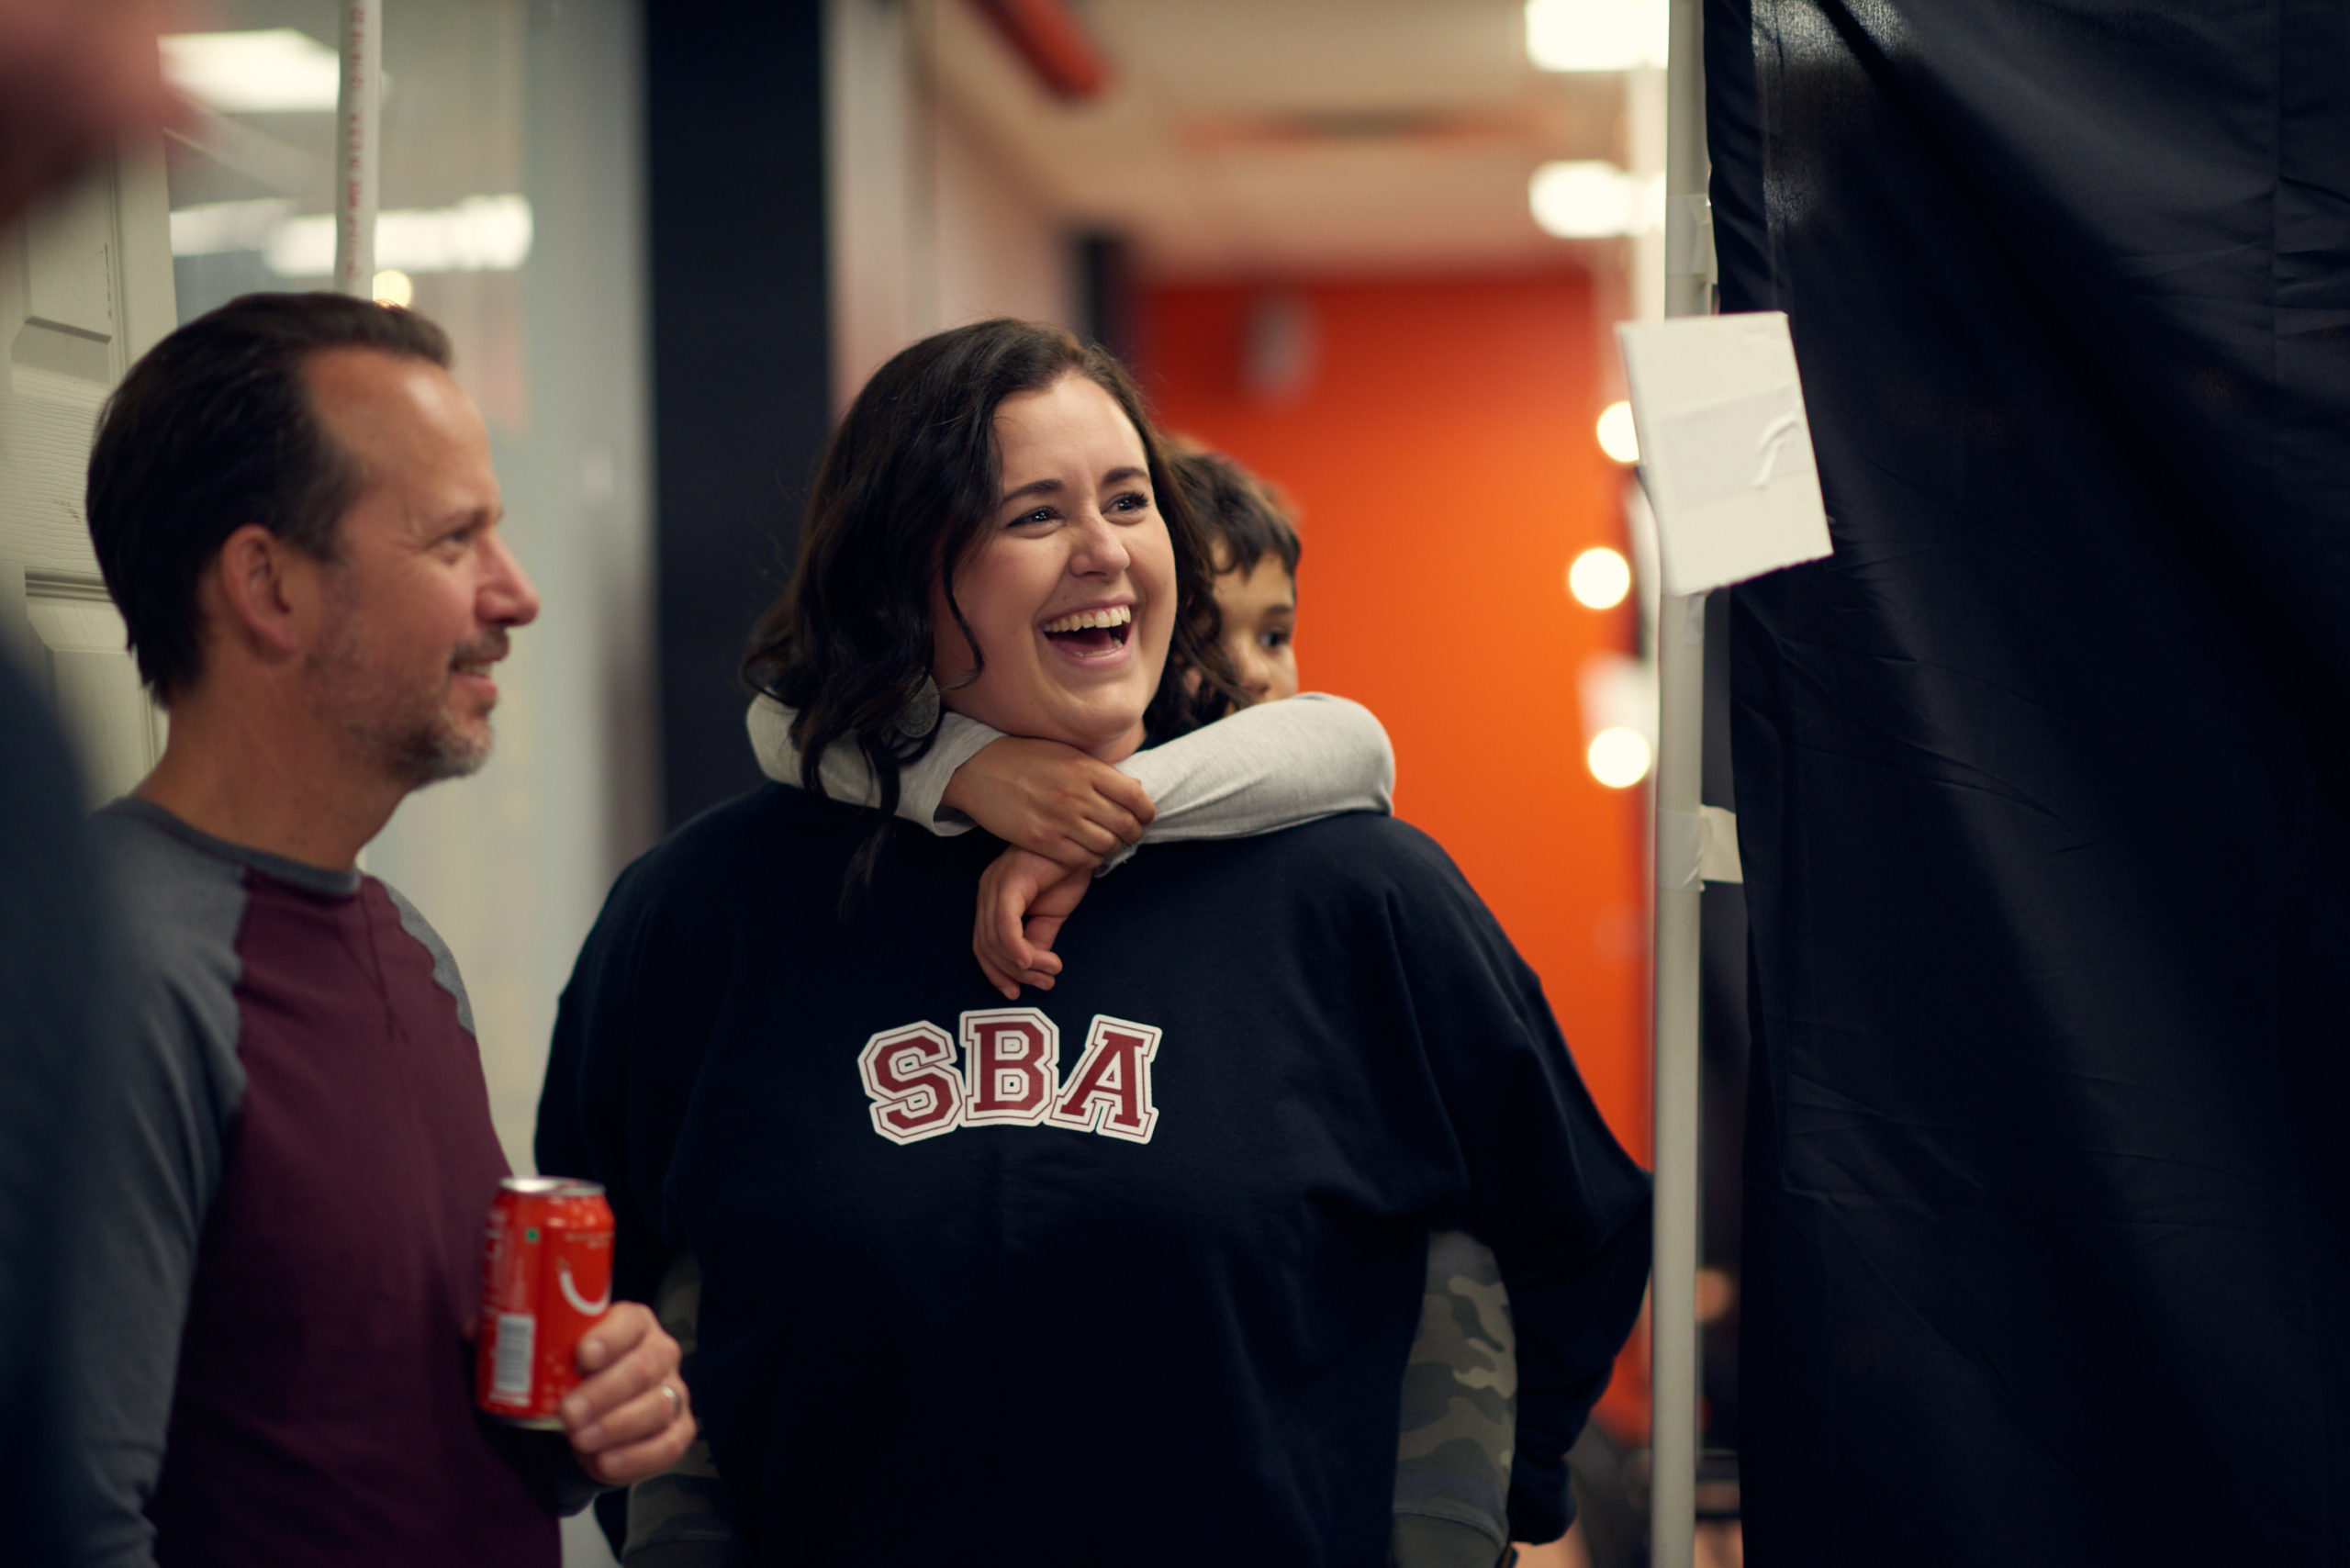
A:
{"points": [[1442, 463]]}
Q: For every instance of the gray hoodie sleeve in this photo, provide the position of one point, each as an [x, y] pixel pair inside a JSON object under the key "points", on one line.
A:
{"points": [[1273, 765], [922, 784], [1267, 767]]}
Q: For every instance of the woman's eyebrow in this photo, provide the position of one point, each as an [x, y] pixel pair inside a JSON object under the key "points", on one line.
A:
{"points": [[1034, 487], [1054, 486]]}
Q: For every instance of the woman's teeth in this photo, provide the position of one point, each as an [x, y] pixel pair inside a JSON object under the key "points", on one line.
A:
{"points": [[1089, 619]]}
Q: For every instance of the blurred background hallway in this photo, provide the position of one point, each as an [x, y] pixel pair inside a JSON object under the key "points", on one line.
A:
{"points": [[1372, 250]]}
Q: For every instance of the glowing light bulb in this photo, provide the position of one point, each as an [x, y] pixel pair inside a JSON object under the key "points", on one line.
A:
{"points": [[1584, 199], [395, 288], [1599, 579], [1617, 438], [1617, 757]]}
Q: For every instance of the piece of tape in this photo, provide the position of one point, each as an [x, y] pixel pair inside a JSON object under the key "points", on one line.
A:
{"points": [[1694, 848], [1689, 238], [1718, 861]]}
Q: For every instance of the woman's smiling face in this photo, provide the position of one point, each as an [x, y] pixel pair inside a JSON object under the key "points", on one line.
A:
{"points": [[1070, 589]]}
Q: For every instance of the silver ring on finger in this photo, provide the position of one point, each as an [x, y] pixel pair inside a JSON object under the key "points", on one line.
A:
{"points": [[677, 1401]]}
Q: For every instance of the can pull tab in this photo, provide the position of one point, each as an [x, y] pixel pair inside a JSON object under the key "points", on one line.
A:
{"points": [[580, 1303]]}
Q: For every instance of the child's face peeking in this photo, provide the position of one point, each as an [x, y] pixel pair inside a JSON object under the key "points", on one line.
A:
{"points": [[1259, 611]]}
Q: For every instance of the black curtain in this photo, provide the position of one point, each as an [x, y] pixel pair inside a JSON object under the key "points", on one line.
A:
{"points": [[742, 355], [2043, 781]]}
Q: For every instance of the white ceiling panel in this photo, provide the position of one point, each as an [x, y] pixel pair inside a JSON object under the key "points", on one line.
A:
{"points": [[1318, 56], [1256, 137]]}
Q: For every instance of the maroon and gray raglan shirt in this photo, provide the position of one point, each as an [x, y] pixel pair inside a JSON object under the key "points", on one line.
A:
{"points": [[273, 1362]]}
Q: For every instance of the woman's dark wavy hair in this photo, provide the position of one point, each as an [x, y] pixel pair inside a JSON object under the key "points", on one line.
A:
{"points": [[909, 484]]}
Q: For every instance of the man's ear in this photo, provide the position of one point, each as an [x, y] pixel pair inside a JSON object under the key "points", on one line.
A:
{"points": [[264, 592]]}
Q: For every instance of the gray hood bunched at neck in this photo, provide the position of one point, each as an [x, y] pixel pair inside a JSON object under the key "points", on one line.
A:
{"points": [[1264, 768]]}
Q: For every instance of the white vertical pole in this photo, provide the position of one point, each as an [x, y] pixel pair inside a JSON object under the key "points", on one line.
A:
{"points": [[357, 153], [1680, 701], [1673, 1300]]}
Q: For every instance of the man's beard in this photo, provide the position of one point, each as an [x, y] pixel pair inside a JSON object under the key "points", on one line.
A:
{"points": [[406, 732]]}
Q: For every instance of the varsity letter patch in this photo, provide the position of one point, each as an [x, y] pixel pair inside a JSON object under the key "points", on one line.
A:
{"points": [[1010, 1077], [1111, 1090], [1011, 1055], [915, 1093]]}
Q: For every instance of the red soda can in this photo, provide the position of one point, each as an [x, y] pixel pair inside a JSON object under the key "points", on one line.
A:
{"points": [[546, 1279]]}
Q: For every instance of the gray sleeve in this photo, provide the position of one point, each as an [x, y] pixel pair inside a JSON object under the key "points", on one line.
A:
{"points": [[922, 784], [1270, 766], [158, 1134], [1460, 1421], [444, 963], [683, 1518]]}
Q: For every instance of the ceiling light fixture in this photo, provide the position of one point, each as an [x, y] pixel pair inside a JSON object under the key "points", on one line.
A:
{"points": [[272, 71], [1598, 35], [209, 228], [486, 233]]}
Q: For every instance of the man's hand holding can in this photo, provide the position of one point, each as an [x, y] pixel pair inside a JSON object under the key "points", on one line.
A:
{"points": [[630, 1417], [554, 1351]]}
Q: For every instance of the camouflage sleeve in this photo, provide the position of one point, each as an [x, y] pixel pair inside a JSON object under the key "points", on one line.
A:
{"points": [[1459, 1423], [683, 1518]]}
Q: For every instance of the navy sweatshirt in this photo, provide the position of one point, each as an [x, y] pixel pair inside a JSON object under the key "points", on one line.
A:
{"points": [[1132, 1265]]}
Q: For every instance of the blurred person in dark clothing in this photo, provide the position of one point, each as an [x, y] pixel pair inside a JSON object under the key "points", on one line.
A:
{"points": [[53, 1038], [76, 76]]}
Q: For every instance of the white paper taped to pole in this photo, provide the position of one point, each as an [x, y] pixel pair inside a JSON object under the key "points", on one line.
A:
{"points": [[1725, 449]]}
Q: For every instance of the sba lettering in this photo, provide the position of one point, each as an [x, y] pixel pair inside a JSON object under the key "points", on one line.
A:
{"points": [[1010, 1077]]}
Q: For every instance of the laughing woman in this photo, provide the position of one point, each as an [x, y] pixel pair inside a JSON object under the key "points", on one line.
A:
{"points": [[1134, 1270]]}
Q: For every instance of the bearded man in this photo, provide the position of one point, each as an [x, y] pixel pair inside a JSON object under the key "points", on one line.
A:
{"points": [[295, 509]]}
